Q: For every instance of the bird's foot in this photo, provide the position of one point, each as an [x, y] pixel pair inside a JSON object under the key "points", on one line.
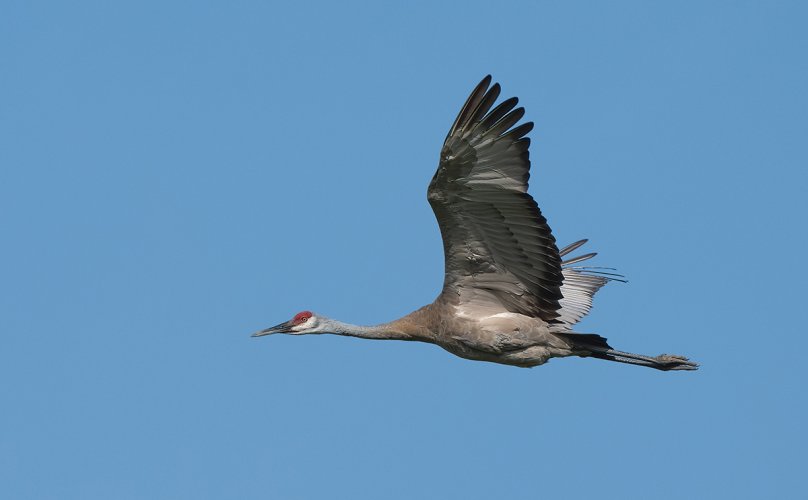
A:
{"points": [[675, 362]]}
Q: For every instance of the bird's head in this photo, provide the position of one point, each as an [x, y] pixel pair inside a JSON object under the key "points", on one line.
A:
{"points": [[304, 322]]}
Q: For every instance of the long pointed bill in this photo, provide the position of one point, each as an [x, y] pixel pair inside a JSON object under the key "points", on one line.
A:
{"points": [[282, 328]]}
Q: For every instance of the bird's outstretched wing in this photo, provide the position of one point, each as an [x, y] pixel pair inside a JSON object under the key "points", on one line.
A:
{"points": [[499, 250]]}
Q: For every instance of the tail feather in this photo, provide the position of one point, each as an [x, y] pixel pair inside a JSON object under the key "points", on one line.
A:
{"points": [[585, 341]]}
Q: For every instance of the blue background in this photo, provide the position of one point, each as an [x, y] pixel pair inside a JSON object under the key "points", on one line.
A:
{"points": [[175, 176]]}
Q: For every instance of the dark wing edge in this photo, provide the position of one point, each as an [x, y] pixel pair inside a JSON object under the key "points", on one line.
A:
{"points": [[495, 238]]}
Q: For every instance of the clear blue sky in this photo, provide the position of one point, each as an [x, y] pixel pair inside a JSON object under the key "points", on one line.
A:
{"points": [[175, 176]]}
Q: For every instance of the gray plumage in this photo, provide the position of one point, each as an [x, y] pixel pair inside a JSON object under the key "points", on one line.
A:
{"points": [[508, 297]]}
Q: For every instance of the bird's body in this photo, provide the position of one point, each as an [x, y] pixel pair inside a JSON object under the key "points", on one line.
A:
{"points": [[510, 296], [503, 337]]}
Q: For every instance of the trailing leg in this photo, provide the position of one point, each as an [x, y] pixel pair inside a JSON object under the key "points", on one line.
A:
{"points": [[595, 346], [664, 362]]}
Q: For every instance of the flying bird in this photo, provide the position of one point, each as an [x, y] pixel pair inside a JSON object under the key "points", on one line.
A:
{"points": [[509, 295]]}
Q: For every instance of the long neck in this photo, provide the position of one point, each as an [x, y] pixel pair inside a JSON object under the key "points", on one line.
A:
{"points": [[388, 331]]}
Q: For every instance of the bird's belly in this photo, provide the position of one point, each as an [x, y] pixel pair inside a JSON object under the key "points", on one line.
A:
{"points": [[525, 358], [506, 338]]}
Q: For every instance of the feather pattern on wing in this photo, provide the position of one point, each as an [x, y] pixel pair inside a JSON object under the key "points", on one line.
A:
{"points": [[499, 250], [579, 286]]}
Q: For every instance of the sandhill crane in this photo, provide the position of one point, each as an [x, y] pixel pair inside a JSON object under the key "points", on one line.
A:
{"points": [[509, 295]]}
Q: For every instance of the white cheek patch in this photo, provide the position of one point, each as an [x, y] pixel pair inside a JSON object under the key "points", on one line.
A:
{"points": [[305, 326]]}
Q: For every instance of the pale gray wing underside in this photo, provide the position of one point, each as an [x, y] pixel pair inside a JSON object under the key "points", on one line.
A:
{"points": [[578, 289], [580, 285], [499, 250]]}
